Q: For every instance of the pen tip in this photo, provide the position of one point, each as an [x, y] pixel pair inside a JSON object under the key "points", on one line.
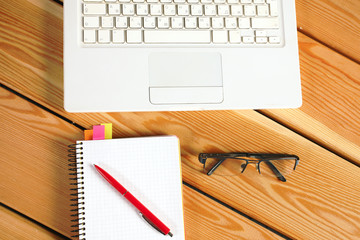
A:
{"points": [[170, 234]]}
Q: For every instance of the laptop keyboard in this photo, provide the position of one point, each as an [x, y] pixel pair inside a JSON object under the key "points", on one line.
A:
{"points": [[199, 22]]}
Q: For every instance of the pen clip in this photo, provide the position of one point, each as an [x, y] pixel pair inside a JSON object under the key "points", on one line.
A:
{"points": [[151, 223]]}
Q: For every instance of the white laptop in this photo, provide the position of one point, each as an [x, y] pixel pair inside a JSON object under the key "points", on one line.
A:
{"points": [[167, 55]]}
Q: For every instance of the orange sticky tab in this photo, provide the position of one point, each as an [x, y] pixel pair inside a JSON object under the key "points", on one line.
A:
{"points": [[88, 134]]}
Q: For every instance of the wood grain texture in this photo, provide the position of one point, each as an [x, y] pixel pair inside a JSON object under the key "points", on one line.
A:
{"points": [[320, 201], [330, 114], [16, 227], [34, 177], [207, 219], [301, 208], [335, 23], [330, 82]]}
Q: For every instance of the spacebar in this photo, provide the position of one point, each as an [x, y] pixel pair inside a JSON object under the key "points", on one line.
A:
{"points": [[173, 36]]}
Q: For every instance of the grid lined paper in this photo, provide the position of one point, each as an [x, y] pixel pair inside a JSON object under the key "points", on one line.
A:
{"points": [[149, 168]]}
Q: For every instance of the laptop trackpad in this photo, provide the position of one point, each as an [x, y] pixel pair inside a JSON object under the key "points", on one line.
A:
{"points": [[185, 78]]}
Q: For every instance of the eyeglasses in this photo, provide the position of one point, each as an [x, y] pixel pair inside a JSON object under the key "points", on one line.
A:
{"points": [[228, 164]]}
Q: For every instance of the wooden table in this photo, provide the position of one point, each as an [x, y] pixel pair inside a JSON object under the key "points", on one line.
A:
{"points": [[321, 200]]}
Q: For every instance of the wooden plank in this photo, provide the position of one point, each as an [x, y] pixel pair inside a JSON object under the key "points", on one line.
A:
{"points": [[331, 108], [329, 89], [300, 208], [34, 177], [14, 226], [283, 206], [335, 23], [207, 219]]}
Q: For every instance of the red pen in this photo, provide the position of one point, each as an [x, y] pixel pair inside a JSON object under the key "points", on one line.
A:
{"points": [[145, 213]]}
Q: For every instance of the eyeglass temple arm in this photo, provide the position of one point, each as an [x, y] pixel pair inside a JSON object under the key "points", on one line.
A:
{"points": [[276, 171], [262, 156], [215, 166], [270, 156], [204, 156]]}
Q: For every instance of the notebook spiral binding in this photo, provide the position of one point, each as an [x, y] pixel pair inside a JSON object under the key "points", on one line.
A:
{"points": [[77, 187]]}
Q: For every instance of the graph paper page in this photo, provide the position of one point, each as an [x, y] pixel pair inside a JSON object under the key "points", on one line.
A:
{"points": [[149, 168]]}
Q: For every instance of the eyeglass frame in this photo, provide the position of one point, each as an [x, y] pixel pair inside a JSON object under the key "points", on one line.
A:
{"points": [[259, 158]]}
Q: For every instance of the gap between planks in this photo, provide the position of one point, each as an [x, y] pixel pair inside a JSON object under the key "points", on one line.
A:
{"points": [[184, 183]]}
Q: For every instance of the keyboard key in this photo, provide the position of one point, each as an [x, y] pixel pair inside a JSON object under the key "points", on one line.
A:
{"points": [[107, 22], [263, 10], [104, 36], [230, 22], [91, 22], [135, 22], [223, 10], [163, 22], [155, 10], [89, 36], [274, 39], [236, 10], [149, 22], [220, 36], [204, 22], [133, 36], [177, 22], [249, 10], [248, 39], [244, 22], [114, 9], [274, 9], [196, 10], [142, 9], [128, 9], [261, 40], [96, 9], [190, 22], [234, 36], [176, 36], [183, 10], [121, 22], [210, 10], [265, 22], [217, 22], [118, 36], [169, 10]]}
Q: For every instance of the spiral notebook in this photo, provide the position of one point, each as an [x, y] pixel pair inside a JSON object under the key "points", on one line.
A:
{"points": [[149, 167]]}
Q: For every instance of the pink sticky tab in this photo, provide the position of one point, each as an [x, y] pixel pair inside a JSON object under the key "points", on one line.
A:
{"points": [[98, 132]]}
